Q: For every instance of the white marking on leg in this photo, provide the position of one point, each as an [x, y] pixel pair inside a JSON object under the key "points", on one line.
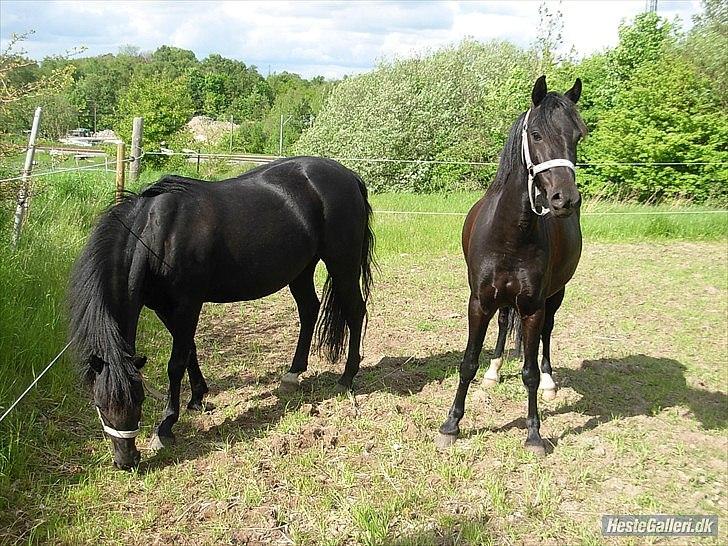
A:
{"points": [[547, 385], [290, 378], [492, 376], [547, 382]]}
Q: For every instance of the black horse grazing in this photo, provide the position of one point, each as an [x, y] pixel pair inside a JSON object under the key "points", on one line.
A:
{"points": [[521, 254], [182, 242]]}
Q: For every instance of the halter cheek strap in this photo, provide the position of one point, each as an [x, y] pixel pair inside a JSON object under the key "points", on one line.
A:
{"points": [[122, 434], [533, 170]]}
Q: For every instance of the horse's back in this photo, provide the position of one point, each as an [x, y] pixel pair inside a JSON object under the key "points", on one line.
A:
{"points": [[342, 198], [249, 236]]}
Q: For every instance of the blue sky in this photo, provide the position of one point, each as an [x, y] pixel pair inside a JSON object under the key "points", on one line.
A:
{"points": [[311, 38]]}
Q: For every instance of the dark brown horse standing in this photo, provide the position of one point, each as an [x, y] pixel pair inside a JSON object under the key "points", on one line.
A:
{"points": [[520, 254]]}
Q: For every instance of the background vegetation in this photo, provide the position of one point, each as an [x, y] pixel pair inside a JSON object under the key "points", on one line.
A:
{"points": [[657, 97]]}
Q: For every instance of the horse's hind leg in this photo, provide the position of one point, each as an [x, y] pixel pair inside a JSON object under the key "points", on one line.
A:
{"points": [[182, 326], [492, 374], [304, 292], [354, 309], [197, 383], [547, 385], [477, 325]]}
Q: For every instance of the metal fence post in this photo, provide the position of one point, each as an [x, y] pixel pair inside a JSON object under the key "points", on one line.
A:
{"points": [[24, 193]]}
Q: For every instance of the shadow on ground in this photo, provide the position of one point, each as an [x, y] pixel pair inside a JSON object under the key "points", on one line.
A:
{"points": [[610, 388], [635, 385], [639, 385], [398, 375]]}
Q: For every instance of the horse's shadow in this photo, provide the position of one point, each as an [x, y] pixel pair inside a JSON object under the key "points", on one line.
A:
{"points": [[635, 385], [610, 389], [640, 385], [398, 375]]}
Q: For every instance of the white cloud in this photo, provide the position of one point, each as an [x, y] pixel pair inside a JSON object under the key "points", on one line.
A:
{"points": [[312, 38]]}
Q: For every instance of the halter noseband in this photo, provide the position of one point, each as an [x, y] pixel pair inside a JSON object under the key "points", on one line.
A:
{"points": [[123, 434], [533, 170]]}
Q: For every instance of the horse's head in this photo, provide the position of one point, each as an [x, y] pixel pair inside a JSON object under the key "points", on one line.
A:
{"points": [[118, 394], [552, 128]]}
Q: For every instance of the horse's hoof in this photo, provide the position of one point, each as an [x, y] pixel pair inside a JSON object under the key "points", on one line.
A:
{"points": [[537, 448], [548, 394], [157, 443], [444, 441], [203, 407], [343, 389], [290, 382]]}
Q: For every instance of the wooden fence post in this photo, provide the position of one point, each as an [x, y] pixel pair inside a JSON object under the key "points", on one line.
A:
{"points": [[136, 149], [119, 171], [24, 193]]}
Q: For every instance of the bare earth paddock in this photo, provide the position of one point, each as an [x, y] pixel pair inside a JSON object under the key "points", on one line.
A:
{"points": [[638, 426]]}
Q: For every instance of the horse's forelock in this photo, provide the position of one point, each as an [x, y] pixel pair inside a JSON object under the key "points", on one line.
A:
{"points": [[115, 385], [552, 104]]}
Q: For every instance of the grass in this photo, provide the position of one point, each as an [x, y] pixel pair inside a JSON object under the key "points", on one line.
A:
{"points": [[602, 221], [639, 424]]}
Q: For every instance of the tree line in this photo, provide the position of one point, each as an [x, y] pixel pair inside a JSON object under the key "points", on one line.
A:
{"points": [[657, 97], [167, 87]]}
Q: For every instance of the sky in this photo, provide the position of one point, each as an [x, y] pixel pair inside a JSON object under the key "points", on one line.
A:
{"points": [[311, 38]]}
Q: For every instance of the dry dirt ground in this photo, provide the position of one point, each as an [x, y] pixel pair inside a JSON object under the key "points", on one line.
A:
{"points": [[638, 426]]}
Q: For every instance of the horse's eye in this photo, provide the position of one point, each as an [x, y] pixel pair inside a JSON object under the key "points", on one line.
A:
{"points": [[536, 136]]}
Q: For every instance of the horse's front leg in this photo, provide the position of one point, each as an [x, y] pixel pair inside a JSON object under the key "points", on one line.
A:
{"points": [[477, 325], [532, 327], [547, 385], [182, 327]]}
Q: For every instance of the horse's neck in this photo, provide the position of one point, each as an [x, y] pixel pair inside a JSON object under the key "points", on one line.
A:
{"points": [[512, 206]]}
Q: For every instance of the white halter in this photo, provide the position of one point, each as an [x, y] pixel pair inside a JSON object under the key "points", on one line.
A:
{"points": [[533, 170], [123, 434]]}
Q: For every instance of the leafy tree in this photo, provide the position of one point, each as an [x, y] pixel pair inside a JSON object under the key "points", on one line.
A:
{"points": [[664, 111], [456, 104], [164, 104], [98, 84], [168, 62], [707, 47]]}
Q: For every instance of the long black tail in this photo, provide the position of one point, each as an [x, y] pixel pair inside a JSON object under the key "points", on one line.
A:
{"points": [[98, 280], [331, 331], [513, 331]]}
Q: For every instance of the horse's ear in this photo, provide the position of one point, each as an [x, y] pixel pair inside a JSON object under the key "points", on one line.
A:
{"points": [[574, 93], [139, 362], [96, 364], [539, 91]]}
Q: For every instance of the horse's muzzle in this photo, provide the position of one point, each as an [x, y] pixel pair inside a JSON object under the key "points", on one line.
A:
{"points": [[127, 461], [563, 205]]}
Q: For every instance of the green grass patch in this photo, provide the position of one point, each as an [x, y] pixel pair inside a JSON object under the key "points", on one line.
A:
{"points": [[601, 221]]}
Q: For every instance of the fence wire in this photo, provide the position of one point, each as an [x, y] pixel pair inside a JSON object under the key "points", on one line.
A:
{"points": [[69, 170]]}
